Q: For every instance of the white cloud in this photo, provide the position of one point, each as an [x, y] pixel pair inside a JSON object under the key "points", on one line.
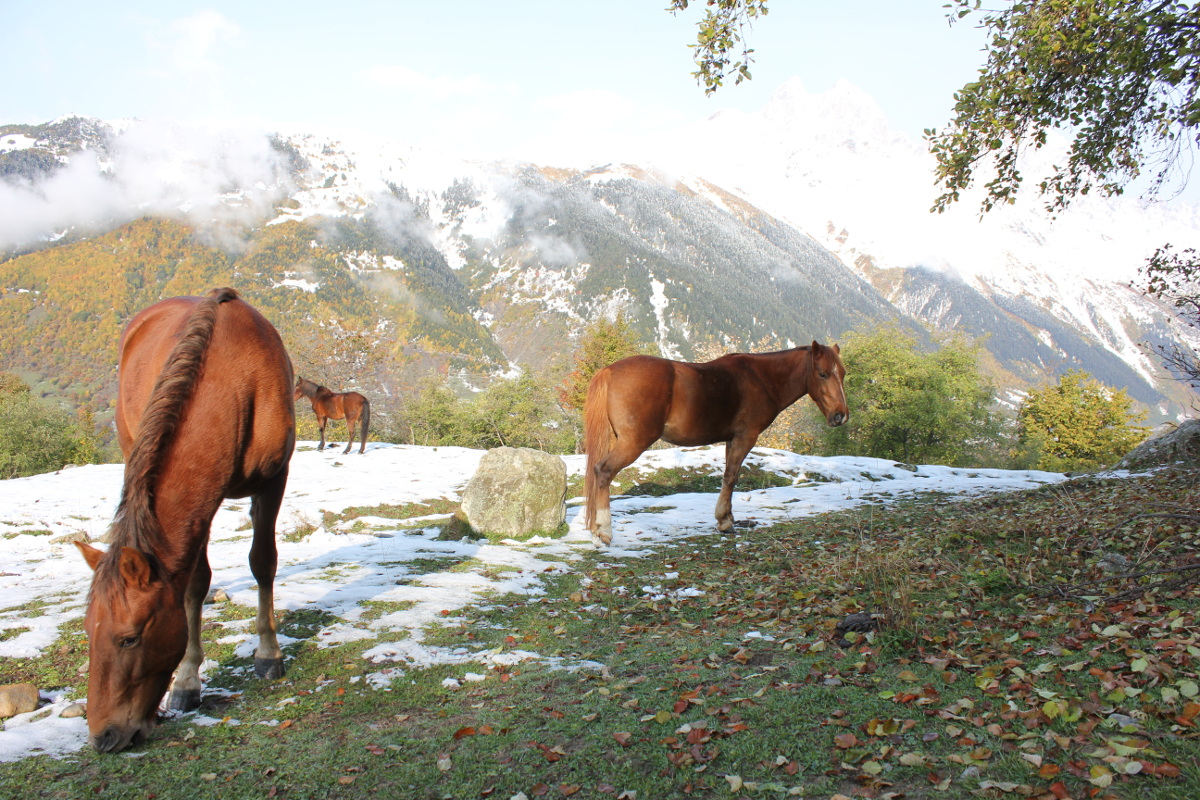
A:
{"points": [[210, 175], [397, 76], [191, 45]]}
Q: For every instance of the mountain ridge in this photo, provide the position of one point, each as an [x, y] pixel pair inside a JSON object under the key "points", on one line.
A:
{"points": [[480, 267]]}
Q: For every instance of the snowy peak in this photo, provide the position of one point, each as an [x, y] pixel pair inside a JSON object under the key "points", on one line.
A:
{"points": [[816, 222]]}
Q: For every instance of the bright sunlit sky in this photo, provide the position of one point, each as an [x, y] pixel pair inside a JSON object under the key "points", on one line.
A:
{"points": [[481, 78]]}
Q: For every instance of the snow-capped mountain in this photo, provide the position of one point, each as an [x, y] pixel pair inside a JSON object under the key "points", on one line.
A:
{"points": [[805, 220], [829, 164]]}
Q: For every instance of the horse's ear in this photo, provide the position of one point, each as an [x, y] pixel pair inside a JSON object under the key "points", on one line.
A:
{"points": [[816, 348], [135, 568], [837, 349], [90, 554]]}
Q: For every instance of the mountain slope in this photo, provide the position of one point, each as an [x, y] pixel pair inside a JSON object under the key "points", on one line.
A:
{"points": [[378, 262]]}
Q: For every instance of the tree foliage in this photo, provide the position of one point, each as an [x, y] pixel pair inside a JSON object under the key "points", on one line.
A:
{"points": [[1079, 424], [720, 35], [603, 342], [11, 384], [520, 412], [39, 437], [1175, 277], [916, 407], [1122, 75]]}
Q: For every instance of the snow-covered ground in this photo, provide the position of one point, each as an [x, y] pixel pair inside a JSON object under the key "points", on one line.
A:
{"points": [[375, 560]]}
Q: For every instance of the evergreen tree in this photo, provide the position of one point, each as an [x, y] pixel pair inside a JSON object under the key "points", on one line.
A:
{"points": [[604, 342], [1079, 424]]}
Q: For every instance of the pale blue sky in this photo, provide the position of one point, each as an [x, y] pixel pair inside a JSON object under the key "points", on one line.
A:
{"points": [[477, 77]]}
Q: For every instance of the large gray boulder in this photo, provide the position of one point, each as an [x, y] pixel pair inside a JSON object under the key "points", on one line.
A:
{"points": [[1180, 445], [517, 492]]}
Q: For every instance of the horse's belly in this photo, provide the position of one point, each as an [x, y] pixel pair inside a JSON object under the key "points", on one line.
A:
{"points": [[681, 437]]}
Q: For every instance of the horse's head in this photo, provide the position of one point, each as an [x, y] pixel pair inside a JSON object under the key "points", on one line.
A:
{"points": [[301, 388], [826, 375], [137, 635]]}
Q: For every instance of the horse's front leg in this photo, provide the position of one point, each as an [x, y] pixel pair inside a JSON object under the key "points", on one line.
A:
{"points": [[736, 450], [351, 424], [264, 558], [321, 424], [185, 688]]}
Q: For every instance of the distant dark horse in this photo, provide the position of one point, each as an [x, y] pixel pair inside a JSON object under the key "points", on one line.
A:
{"points": [[334, 405], [204, 412], [638, 400]]}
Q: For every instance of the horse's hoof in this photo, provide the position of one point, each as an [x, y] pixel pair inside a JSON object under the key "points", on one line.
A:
{"points": [[725, 525], [268, 668], [183, 700]]}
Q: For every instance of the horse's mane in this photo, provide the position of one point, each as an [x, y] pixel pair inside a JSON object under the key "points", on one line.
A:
{"points": [[135, 524], [309, 389]]}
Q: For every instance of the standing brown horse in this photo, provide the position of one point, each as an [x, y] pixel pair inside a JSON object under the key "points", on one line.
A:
{"points": [[334, 405], [204, 412], [637, 400]]}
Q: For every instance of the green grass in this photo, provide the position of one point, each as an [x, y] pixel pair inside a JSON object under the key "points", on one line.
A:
{"points": [[675, 480], [992, 673]]}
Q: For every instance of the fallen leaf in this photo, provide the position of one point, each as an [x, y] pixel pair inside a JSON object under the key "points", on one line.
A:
{"points": [[845, 740]]}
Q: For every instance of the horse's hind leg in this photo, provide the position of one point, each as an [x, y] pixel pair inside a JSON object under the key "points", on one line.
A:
{"points": [[351, 424], [365, 416], [185, 688], [736, 451], [625, 452], [264, 509]]}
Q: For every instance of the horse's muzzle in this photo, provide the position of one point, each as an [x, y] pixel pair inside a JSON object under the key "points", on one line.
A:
{"points": [[113, 739], [837, 418]]}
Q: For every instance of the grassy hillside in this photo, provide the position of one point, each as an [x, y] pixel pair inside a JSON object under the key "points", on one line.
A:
{"points": [[1011, 660], [62, 309]]}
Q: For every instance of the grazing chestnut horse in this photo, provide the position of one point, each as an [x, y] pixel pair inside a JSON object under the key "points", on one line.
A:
{"points": [[204, 412], [336, 405], [637, 400]]}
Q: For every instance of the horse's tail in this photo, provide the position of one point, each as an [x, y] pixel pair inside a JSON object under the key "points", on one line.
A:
{"points": [[366, 422], [135, 524], [597, 438]]}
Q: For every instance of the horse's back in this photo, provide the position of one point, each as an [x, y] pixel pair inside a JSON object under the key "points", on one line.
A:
{"points": [[239, 422]]}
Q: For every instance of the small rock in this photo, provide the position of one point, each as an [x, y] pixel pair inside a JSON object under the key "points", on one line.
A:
{"points": [[862, 622], [72, 711], [1114, 563], [72, 538], [218, 596], [17, 698]]}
